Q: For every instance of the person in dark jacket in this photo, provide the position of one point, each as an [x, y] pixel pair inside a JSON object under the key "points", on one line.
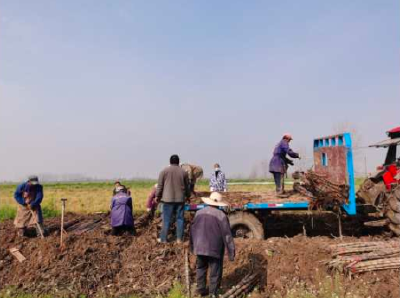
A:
{"points": [[210, 235], [29, 196], [121, 212], [280, 163], [172, 191]]}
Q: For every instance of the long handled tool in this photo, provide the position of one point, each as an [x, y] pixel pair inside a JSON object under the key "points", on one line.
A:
{"points": [[187, 273], [62, 230], [38, 227]]}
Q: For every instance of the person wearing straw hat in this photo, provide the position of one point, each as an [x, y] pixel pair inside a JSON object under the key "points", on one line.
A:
{"points": [[29, 196], [279, 162], [210, 236]]}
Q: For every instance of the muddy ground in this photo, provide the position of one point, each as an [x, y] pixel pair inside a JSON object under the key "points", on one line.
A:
{"points": [[97, 264]]}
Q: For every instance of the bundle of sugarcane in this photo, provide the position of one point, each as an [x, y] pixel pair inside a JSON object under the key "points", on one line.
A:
{"points": [[245, 286], [365, 256], [324, 191], [373, 265]]}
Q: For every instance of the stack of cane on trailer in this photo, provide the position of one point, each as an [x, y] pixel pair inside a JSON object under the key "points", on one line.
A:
{"points": [[360, 257]]}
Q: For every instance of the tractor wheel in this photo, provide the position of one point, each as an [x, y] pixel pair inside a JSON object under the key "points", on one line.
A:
{"points": [[246, 225], [392, 210], [395, 229], [396, 193], [394, 204], [393, 216]]}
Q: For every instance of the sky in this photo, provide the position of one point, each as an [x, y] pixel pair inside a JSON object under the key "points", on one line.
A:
{"points": [[110, 89]]}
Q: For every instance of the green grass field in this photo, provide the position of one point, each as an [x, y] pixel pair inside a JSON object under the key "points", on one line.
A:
{"points": [[90, 197]]}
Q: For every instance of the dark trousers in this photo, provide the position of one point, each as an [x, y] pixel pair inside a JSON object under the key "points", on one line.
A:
{"points": [[279, 179], [168, 210], [216, 266], [117, 231]]}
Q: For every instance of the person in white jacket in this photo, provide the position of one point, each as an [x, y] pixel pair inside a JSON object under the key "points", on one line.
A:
{"points": [[218, 180]]}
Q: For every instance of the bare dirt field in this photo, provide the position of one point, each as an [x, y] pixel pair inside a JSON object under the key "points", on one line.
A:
{"points": [[96, 264]]}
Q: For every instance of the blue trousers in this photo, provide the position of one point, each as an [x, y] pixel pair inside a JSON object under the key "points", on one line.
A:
{"points": [[169, 209]]}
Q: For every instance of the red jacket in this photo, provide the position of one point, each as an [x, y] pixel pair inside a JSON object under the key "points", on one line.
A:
{"points": [[389, 176]]}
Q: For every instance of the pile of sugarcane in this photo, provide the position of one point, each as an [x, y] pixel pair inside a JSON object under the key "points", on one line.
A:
{"points": [[322, 190], [248, 283], [360, 257]]}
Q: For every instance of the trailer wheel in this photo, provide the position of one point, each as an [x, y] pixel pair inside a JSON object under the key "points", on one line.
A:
{"points": [[246, 225]]}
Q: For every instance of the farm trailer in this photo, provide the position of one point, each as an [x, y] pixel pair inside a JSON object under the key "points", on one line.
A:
{"points": [[333, 156]]}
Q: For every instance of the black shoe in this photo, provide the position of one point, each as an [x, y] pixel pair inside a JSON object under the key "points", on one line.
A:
{"points": [[202, 293]]}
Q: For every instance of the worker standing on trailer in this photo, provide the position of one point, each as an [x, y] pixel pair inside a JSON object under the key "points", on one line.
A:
{"points": [[122, 212], [29, 196], [194, 173], [172, 191], [279, 163], [210, 235], [218, 180]]}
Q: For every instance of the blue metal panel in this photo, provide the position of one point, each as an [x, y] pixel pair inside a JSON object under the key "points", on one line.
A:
{"points": [[258, 206], [350, 208], [333, 142], [284, 205]]}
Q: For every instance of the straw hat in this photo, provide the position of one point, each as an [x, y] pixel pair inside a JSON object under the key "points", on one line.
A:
{"points": [[215, 199]]}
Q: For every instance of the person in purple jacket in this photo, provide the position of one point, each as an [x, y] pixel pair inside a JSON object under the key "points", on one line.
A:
{"points": [[210, 236], [280, 163], [121, 212]]}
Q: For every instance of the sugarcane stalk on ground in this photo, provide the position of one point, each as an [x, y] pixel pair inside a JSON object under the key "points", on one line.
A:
{"points": [[365, 256], [245, 286]]}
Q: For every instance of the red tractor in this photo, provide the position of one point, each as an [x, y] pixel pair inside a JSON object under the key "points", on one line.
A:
{"points": [[382, 191]]}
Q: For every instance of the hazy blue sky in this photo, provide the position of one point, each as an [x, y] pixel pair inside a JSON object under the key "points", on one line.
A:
{"points": [[113, 88]]}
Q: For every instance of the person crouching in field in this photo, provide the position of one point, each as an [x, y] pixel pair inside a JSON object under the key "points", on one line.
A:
{"points": [[210, 235], [151, 203], [29, 196], [121, 212]]}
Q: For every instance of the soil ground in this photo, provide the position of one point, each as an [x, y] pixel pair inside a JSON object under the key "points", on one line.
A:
{"points": [[97, 264]]}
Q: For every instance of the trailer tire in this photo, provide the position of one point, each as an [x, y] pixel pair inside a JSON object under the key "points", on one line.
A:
{"points": [[393, 216], [247, 222], [394, 204]]}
